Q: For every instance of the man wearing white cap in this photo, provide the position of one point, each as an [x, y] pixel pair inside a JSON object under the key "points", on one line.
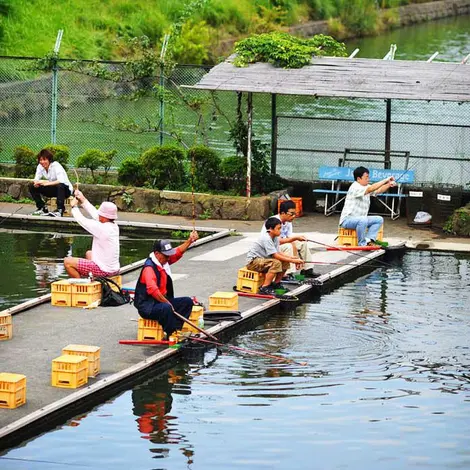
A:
{"points": [[154, 296], [103, 258]]}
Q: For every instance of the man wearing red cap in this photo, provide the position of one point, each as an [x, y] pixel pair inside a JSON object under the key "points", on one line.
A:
{"points": [[103, 258], [154, 296]]}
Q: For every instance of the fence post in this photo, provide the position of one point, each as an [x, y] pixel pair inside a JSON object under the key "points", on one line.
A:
{"points": [[273, 134], [55, 85], [162, 86]]}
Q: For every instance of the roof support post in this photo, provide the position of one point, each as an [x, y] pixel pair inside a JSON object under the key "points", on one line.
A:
{"points": [[388, 134], [273, 133], [248, 152]]}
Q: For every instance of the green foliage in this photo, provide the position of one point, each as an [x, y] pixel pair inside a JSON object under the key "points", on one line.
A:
{"points": [[160, 211], [8, 198], [459, 222], [285, 50], [127, 198], [205, 165], [180, 234], [94, 158], [234, 170], [61, 153], [359, 16], [131, 173], [193, 45], [26, 162], [164, 166], [207, 214]]}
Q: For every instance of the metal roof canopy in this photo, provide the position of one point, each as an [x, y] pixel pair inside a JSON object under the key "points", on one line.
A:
{"points": [[346, 78]]}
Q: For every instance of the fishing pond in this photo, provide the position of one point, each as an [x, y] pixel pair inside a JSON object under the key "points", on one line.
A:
{"points": [[387, 386]]}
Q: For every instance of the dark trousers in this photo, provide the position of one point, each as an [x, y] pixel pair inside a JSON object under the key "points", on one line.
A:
{"points": [[60, 191], [162, 313]]}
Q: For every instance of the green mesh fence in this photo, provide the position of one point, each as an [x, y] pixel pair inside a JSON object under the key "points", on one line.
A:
{"points": [[96, 112]]}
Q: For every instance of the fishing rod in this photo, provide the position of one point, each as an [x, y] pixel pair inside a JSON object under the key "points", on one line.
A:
{"points": [[339, 264], [8, 216], [388, 265], [406, 171], [248, 351]]}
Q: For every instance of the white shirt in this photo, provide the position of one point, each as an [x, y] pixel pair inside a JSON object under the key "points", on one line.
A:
{"points": [[287, 228], [55, 172], [105, 246], [357, 202]]}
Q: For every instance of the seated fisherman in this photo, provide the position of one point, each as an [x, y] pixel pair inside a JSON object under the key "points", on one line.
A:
{"points": [[357, 203], [154, 296], [56, 184], [103, 258], [265, 256], [290, 244]]}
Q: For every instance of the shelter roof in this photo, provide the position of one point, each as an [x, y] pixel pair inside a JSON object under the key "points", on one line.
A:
{"points": [[348, 78]]}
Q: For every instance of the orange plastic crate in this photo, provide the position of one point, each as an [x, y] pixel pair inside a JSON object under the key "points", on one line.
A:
{"points": [[348, 237], [85, 294], [92, 353], [298, 205], [223, 301], [69, 371], [249, 281], [61, 293], [12, 390], [6, 326], [149, 329]]}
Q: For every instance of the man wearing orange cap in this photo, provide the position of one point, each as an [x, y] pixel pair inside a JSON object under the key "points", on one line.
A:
{"points": [[154, 296], [103, 258]]}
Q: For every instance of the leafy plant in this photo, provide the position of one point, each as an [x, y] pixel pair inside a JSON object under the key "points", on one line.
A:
{"points": [[8, 198], [25, 162], [127, 198], [164, 166], [207, 214], [61, 153], [180, 234], [205, 167], [131, 172], [91, 159], [285, 50], [160, 211]]}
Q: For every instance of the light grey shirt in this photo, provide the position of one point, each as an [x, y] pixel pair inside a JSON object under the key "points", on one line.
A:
{"points": [[357, 202], [264, 247]]}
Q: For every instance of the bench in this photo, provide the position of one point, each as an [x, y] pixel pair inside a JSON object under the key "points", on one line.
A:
{"points": [[339, 174]]}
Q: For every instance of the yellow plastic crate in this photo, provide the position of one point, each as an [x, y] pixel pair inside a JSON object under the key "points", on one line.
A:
{"points": [[189, 329], [92, 353], [6, 326], [348, 237], [12, 390], [249, 281], [196, 312], [149, 329], [52, 203], [223, 301], [61, 293], [69, 371], [85, 294], [118, 280]]}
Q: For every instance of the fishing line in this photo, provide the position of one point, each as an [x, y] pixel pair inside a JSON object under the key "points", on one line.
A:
{"points": [[8, 216]]}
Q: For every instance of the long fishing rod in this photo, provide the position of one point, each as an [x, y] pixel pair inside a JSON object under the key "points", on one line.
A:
{"points": [[339, 264], [249, 351], [406, 171], [8, 216], [388, 265]]}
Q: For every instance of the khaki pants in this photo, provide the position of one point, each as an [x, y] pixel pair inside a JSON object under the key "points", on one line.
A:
{"points": [[303, 251], [265, 265]]}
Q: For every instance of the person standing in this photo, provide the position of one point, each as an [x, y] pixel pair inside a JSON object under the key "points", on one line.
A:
{"points": [[356, 206], [103, 258], [154, 296], [56, 184]]}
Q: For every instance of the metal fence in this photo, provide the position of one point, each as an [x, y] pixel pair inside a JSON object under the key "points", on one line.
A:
{"points": [[94, 112]]}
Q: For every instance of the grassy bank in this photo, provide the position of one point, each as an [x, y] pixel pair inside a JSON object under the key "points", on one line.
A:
{"points": [[97, 28]]}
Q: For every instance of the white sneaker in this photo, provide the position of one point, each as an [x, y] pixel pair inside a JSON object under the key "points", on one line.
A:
{"points": [[43, 211], [58, 213]]}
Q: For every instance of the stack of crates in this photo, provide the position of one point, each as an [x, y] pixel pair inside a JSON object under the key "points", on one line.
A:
{"points": [[348, 237], [196, 314], [52, 203], [298, 205], [69, 371], [118, 280], [92, 353], [6, 326], [149, 330], [249, 281], [67, 294], [223, 301], [12, 390]]}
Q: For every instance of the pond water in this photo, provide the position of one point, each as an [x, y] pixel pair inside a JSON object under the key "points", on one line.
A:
{"points": [[387, 386], [35, 259]]}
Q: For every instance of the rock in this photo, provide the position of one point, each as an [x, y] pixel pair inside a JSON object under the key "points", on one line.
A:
{"points": [[14, 191]]}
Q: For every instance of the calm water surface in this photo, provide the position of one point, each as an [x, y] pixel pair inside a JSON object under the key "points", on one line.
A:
{"points": [[387, 387]]}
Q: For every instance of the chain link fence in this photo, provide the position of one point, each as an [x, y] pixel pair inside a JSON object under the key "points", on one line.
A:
{"points": [[96, 112]]}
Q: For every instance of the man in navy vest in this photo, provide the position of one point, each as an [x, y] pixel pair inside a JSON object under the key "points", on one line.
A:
{"points": [[154, 296]]}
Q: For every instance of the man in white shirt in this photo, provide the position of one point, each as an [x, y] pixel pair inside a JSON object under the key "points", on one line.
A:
{"points": [[56, 184], [356, 206], [291, 244], [103, 258]]}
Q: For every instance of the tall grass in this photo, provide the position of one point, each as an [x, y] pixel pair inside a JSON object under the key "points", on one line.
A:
{"points": [[92, 27]]}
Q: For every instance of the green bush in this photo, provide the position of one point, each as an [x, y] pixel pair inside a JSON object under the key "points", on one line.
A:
{"points": [[93, 159], [131, 173], [234, 171], [26, 162], [206, 167], [164, 166], [61, 153]]}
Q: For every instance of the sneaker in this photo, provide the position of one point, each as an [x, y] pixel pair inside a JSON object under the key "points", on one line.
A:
{"points": [[309, 273], [278, 285], [43, 211], [289, 277], [58, 213], [266, 290]]}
